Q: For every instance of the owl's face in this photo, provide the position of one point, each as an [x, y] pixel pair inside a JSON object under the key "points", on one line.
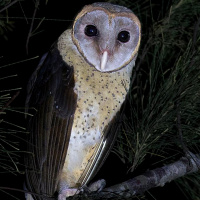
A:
{"points": [[108, 36]]}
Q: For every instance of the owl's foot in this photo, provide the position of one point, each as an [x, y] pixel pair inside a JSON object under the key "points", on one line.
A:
{"points": [[67, 193], [93, 187], [97, 186], [28, 197]]}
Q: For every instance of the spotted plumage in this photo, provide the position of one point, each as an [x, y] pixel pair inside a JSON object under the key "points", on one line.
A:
{"points": [[78, 90], [100, 96]]}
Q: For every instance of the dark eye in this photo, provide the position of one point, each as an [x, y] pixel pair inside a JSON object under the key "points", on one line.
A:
{"points": [[123, 36], [91, 30]]}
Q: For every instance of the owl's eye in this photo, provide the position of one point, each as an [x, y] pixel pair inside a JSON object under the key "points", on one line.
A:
{"points": [[123, 36], [91, 30]]}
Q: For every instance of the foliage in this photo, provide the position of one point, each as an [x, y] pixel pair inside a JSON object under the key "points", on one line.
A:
{"points": [[162, 121], [9, 131], [5, 27], [189, 185], [5, 24], [11, 134]]}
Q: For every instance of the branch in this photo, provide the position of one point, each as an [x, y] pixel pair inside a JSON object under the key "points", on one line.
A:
{"points": [[32, 22], [150, 179], [153, 178], [10, 4], [9, 102]]}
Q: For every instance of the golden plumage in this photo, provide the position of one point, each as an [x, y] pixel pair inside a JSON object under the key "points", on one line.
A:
{"points": [[100, 96]]}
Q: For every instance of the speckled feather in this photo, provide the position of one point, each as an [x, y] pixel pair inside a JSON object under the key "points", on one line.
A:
{"points": [[100, 96], [88, 104]]}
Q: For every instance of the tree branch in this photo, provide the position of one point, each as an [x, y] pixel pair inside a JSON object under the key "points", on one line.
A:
{"points": [[154, 178], [150, 179]]}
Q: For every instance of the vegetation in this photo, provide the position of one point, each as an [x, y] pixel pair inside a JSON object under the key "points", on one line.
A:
{"points": [[163, 124], [163, 113]]}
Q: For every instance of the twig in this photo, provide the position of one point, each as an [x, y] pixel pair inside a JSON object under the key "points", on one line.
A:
{"points": [[31, 27], [27, 192], [21, 61], [9, 102], [6, 7]]}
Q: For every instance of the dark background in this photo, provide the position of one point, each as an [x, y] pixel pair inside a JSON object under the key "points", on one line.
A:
{"points": [[13, 50]]}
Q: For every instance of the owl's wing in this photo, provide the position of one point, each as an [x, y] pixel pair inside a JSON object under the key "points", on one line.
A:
{"points": [[52, 98]]}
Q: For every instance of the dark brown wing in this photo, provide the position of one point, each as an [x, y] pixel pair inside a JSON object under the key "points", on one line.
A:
{"points": [[51, 94]]}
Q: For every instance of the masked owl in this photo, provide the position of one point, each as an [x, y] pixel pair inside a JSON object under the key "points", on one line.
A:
{"points": [[78, 91]]}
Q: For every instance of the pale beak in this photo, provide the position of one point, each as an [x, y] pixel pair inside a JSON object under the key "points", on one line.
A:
{"points": [[104, 60]]}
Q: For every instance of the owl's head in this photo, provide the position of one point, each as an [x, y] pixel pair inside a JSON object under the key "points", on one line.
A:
{"points": [[107, 35]]}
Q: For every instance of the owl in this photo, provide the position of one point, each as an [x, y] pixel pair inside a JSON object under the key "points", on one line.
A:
{"points": [[78, 91]]}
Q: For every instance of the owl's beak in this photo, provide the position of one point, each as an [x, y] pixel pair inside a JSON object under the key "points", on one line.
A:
{"points": [[104, 60]]}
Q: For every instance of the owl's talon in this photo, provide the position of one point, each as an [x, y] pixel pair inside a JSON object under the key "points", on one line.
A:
{"points": [[97, 186], [61, 197], [85, 190], [67, 193]]}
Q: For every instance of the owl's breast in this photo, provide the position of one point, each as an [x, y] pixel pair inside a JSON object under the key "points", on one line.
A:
{"points": [[99, 98]]}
